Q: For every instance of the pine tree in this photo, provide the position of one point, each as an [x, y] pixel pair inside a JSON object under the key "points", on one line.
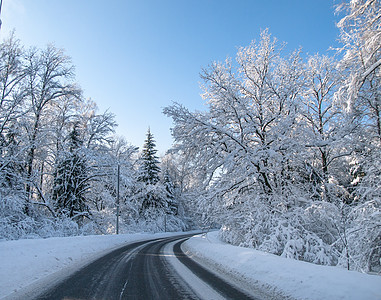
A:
{"points": [[149, 175], [70, 179], [170, 193], [149, 168], [11, 168]]}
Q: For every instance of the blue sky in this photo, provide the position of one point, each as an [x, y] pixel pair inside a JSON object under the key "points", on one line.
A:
{"points": [[136, 57]]}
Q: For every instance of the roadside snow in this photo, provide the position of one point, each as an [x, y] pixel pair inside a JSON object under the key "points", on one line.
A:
{"points": [[199, 287], [276, 276], [29, 266]]}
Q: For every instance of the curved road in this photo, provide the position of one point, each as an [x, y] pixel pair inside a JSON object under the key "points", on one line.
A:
{"points": [[154, 269]]}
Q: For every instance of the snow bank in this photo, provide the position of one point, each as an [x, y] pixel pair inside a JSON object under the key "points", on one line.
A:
{"points": [[28, 266], [276, 276]]}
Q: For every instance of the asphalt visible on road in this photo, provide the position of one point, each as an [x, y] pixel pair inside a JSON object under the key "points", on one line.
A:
{"points": [[140, 271]]}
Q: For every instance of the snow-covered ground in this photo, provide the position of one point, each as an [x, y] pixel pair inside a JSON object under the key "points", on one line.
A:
{"points": [[27, 265], [259, 271]]}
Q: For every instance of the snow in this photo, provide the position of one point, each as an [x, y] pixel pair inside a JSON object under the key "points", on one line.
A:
{"points": [[28, 266], [201, 288], [257, 271]]}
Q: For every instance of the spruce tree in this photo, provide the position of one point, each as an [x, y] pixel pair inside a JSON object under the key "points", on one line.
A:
{"points": [[149, 167], [149, 174], [70, 178], [172, 205]]}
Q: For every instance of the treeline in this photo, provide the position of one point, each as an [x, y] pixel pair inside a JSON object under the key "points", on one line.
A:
{"points": [[287, 157], [59, 156]]}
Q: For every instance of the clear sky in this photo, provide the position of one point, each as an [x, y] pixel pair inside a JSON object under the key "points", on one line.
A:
{"points": [[135, 57]]}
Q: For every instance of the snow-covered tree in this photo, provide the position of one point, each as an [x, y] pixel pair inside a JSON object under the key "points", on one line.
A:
{"points": [[171, 195], [325, 131], [150, 191], [12, 73], [71, 179], [102, 195], [181, 180], [272, 156], [360, 95], [12, 95], [40, 103], [49, 76], [149, 169], [361, 37], [241, 144]]}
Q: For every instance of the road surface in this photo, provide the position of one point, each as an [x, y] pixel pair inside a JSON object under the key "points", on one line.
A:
{"points": [[154, 269]]}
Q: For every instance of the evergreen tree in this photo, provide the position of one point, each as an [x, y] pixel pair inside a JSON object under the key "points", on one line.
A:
{"points": [[70, 179], [148, 176], [149, 167], [11, 168], [170, 193]]}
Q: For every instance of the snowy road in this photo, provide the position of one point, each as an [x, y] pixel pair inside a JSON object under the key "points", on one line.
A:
{"points": [[154, 269]]}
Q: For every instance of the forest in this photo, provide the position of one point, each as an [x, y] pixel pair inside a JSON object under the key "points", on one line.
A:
{"points": [[285, 158], [62, 167]]}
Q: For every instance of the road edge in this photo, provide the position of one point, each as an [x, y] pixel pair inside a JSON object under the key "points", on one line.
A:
{"points": [[249, 285]]}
